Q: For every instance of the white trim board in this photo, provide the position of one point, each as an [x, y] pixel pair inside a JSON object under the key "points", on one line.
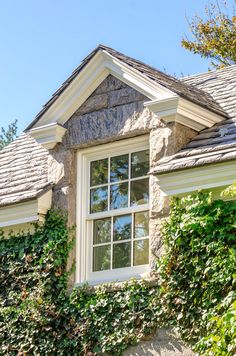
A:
{"points": [[26, 212], [184, 112], [103, 64], [193, 179], [89, 78]]}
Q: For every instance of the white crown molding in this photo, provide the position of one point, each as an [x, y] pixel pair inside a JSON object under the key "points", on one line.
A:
{"points": [[193, 179], [184, 112], [48, 135], [26, 212]]}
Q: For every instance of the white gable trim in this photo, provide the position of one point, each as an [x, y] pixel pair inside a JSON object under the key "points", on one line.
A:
{"points": [[26, 212], [163, 102], [184, 112], [90, 77], [48, 135], [193, 179]]}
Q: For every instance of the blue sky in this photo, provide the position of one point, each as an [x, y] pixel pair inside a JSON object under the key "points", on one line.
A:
{"points": [[41, 42]]}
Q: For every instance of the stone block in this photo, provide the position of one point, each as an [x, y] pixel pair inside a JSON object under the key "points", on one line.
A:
{"points": [[110, 83], [109, 124], [124, 96], [93, 103]]}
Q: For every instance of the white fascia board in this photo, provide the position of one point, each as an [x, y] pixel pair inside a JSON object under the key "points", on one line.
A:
{"points": [[193, 179], [48, 135], [90, 77], [185, 112], [135, 79], [26, 212], [45, 202]]}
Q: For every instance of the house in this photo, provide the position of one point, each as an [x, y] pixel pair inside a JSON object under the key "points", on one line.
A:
{"points": [[110, 147]]}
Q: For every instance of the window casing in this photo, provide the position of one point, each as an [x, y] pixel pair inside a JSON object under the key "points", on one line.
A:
{"points": [[113, 210]]}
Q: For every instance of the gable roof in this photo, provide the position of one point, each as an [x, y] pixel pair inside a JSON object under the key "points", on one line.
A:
{"points": [[185, 90], [24, 171], [24, 163], [215, 144]]}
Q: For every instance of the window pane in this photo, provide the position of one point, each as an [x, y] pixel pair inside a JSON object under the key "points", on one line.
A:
{"points": [[141, 224], [141, 252], [102, 231], [139, 164], [139, 192], [98, 199], [119, 168], [122, 227], [101, 258], [99, 172], [119, 196], [122, 255]]}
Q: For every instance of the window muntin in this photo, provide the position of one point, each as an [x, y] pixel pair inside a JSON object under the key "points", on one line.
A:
{"points": [[117, 183], [120, 241]]}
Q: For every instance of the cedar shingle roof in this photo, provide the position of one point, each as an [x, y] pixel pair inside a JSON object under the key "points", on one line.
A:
{"points": [[218, 143], [185, 90], [24, 171]]}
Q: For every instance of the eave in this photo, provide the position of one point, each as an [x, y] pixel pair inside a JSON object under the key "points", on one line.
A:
{"points": [[165, 103], [25, 212], [48, 135], [194, 179], [185, 112]]}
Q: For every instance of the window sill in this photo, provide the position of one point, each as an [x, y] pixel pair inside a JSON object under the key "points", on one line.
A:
{"points": [[149, 280]]}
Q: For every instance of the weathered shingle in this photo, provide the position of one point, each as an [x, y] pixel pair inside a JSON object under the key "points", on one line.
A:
{"points": [[23, 171], [24, 163], [218, 143], [185, 90]]}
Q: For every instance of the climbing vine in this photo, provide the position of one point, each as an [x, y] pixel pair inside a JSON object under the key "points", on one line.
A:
{"points": [[39, 317], [198, 271], [195, 289]]}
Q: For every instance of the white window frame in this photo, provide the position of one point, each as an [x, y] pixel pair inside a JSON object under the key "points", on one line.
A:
{"points": [[84, 219]]}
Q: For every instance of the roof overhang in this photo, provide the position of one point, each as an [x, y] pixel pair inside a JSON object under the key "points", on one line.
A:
{"points": [[162, 101], [25, 212], [48, 135], [89, 78], [194, 179], [184, 112]]}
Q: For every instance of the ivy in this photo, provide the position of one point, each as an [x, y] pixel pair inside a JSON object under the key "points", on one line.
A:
{"points": [[195, 289], [39, 317], [198, 270]]}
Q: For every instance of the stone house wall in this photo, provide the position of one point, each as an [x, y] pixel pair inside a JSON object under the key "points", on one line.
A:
{"points": [[113, 112]]}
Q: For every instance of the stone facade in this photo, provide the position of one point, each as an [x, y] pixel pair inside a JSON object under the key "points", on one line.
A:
{"points": [[164, 343], [116, 112], [113, 112]]}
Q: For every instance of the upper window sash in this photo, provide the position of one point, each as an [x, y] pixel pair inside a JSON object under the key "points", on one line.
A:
{"points": [[132, 145]]}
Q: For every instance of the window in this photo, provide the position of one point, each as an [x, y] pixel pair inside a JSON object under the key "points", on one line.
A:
{"points": [[114, 215]]}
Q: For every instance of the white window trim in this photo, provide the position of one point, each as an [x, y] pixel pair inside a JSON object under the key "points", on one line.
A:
{"points": [[83, 260]]}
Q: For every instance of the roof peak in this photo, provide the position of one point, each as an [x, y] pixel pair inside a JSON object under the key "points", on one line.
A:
{"points": [[166, 81]]}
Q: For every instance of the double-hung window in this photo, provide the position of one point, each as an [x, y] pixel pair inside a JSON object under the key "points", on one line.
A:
{"points": [[113, 214]]}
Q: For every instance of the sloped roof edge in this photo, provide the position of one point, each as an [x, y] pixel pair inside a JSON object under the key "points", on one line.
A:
{"points": [[177, 86]]}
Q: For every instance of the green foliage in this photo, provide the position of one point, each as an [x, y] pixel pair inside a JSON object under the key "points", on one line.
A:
{"points": [[39, 317], [7, 136], [214, 34], [198, 269], [229, 192], [195, 290], [221, 330]]}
